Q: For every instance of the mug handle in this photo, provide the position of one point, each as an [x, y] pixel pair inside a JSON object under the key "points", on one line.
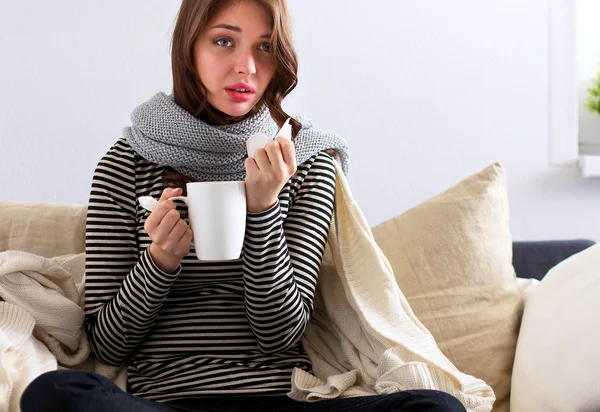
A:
{"points": [[184, 198]]}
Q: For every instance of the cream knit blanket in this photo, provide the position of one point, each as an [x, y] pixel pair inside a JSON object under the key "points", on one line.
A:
{"points": [[363, 337], [41, 320], [46, 289], [22, 357]]}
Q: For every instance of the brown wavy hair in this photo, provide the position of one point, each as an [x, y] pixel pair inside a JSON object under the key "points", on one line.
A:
{"points": [[188, 90]]}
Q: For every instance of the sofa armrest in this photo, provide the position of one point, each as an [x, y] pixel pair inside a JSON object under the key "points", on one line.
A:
{"points": [[535, 258]]}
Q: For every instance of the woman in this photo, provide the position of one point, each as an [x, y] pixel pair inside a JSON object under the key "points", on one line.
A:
{"points": [[200, 336]]}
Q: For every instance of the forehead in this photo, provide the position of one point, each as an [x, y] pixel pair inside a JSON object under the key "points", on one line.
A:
{"points": [[246, 14]]}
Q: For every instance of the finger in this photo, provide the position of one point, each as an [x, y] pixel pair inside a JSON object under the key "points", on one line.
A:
{"points": [[184, 244], [178, 230], [251, 166], [162, 208], [157, 215], [262, 159], [167, 194], [168, 222], [288, 151], [186, 239], [174, 236], [170, 192], [273, 150]]}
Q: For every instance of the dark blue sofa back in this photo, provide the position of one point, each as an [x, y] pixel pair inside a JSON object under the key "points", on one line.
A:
{"points": [[535, 259]]}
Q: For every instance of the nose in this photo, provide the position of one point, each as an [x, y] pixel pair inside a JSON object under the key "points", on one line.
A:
{"points": [[245, 63]]}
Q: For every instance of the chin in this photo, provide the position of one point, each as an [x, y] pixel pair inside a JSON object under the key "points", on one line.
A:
{"points": [[233, 108], [236, 109]]}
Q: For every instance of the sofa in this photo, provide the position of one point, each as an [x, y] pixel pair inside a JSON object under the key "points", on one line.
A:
{"points": [[471, 232]]}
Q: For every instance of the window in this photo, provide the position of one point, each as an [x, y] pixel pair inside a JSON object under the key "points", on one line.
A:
{"points": [[588, 65], [574, 55]]}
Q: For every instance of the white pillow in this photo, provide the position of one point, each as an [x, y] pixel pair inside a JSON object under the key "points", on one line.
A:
{"points": [[557, 361]]}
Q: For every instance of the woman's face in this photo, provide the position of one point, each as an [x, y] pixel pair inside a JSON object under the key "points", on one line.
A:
{"points": [[233, 57]]}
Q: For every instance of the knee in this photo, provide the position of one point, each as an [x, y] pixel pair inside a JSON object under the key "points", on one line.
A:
{"points": [[56, 390], [449, 403], [39, 393], [423, 400], [437, 401]]}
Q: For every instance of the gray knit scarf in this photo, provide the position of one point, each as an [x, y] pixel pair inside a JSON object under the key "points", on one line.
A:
{"points": [[164, 133]]}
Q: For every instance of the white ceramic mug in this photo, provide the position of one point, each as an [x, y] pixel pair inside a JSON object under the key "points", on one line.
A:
{"points": [[217, 215]]}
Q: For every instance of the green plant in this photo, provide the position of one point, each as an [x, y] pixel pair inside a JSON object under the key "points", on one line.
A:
{"points": [[593, 102]]}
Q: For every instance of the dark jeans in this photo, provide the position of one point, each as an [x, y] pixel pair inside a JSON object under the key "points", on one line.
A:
{"points": [[68, 391]]}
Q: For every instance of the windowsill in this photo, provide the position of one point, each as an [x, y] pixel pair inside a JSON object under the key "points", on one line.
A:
{"points": [[589, 165]]}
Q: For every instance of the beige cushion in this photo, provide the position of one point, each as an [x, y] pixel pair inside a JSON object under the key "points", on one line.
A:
{"points": [[45, 229], [557, 359], [452, 258]]}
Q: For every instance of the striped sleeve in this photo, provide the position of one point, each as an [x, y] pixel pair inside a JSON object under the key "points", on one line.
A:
{"points": [[281, 259], [124, 290]]}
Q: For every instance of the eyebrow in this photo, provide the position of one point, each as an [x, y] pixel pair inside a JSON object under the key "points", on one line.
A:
{"points": [[236, 29]]}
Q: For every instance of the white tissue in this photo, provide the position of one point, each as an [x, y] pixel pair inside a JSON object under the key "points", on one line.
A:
{"points": [[148, 202], [256, 141], [259, 140]]}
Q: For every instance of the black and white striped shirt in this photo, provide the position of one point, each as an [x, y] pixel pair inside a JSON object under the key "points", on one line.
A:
{"points": [[210, 328]]}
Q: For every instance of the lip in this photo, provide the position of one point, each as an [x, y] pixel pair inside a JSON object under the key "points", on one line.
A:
{"points": [[245, 86], [240, 97]]}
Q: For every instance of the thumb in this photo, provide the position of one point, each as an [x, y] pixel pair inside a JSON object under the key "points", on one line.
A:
{"points": [[170, 192]]}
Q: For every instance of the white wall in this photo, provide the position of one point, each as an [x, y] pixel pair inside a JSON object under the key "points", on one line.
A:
{"points": [[426, 93]]}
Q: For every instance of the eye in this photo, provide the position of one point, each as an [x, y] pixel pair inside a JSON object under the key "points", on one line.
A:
{"points": [[266, 47], [223, 42]]}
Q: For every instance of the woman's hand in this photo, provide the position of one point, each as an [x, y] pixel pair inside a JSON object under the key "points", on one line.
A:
{"points": [[171, 236], [267, 172]]}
